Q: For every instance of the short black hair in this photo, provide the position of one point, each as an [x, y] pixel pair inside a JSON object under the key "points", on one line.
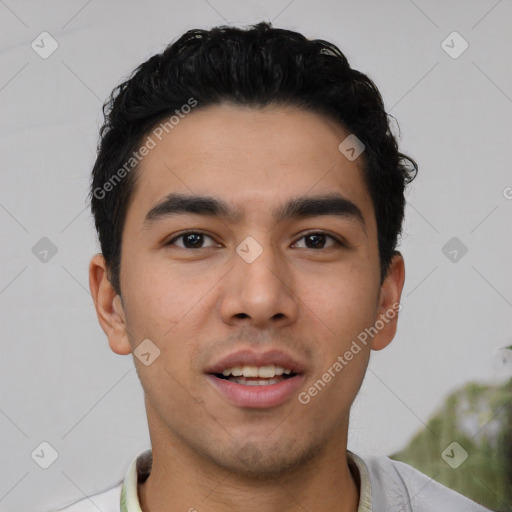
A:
{"points": [[255, 67]]}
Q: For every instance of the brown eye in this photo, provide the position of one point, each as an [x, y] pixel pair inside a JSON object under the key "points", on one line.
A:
{"points": [[192, 240], [318, 241]]}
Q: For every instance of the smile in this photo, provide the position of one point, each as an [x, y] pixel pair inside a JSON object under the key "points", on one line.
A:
{"points": [[256, 380], [248, 375]]}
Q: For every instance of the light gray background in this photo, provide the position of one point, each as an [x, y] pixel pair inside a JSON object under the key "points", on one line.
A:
{"points": [[61, 383]]}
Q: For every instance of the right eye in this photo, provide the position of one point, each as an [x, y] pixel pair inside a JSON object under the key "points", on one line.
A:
{"points": [[191, 240]]}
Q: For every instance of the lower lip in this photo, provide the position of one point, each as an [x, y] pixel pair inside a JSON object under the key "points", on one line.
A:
{"points": [[257, 397]]}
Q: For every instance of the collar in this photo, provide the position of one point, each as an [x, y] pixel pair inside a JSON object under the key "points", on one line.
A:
{"points": [[140, 468]]}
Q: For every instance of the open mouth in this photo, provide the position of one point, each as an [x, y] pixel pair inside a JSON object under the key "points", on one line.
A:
{"points": [[248, 375], [256, 381]]}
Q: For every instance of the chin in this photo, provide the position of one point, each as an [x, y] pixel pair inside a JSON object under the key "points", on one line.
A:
{"points": [[258, 461]]}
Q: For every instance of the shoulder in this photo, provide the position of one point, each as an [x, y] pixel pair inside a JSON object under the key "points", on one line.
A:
{"points": [[107, 501], [400, 486]]}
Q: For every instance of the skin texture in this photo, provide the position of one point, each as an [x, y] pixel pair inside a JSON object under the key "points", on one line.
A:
{"points": [[200, 304]]}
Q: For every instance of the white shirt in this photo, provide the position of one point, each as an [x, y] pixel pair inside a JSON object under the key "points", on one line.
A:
{"points": [[386, 486]]}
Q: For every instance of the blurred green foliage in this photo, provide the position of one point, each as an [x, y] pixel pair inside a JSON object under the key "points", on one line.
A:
{"points": [[479, 418]]}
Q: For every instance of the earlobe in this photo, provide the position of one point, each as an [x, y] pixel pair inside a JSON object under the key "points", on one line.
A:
{"points": [[109, 308], [389, 303]]}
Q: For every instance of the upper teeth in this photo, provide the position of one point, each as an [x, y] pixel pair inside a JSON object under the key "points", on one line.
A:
{"points": [[256, 371]]}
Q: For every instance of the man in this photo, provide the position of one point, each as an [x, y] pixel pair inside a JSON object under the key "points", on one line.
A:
{"points": [[248, 195]]}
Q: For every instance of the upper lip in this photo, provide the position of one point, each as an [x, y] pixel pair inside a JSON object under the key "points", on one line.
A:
{"points": [[249, 357]]}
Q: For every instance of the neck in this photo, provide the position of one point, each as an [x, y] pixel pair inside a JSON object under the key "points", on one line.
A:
{"points": [[183, 480]]}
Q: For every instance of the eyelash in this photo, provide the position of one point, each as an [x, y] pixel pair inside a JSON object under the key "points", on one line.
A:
{"points": [[327, 235]]}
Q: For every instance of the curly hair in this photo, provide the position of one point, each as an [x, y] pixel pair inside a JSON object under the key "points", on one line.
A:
{"points": [[257, 66]]}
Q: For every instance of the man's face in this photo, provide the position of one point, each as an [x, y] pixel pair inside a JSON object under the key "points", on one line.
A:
{"points": [[266, 286]]}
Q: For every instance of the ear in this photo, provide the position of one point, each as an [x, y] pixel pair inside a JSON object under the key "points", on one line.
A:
{"points": [[389, 303], [109, 307]]}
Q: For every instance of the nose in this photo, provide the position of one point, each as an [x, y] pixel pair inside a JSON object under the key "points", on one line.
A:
{"points": [[259, 293]]}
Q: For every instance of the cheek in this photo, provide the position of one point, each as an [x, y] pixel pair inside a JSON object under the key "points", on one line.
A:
{"points": [[339, 308], [160, 294], [345, 298], [170, 307]]}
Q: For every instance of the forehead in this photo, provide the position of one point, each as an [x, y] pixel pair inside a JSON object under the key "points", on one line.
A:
{"points": [[253, 158]]}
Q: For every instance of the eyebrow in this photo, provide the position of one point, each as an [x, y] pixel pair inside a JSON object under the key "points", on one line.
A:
{"points": [[301, 207]]}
